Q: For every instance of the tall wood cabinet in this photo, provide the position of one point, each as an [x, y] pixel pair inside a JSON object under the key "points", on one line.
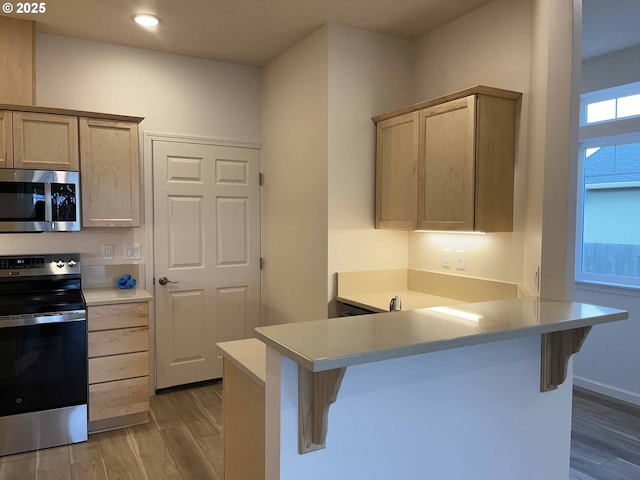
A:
{"points": [[6, 139], [118, 365], [109, 173], [462, 147]]}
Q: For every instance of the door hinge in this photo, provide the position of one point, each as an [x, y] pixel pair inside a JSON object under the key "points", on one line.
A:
{"points": [[261, 263], [261, 178]]}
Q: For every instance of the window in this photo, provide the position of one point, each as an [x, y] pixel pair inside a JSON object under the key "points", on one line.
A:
{"points": [[608, 223], [610, 104]]}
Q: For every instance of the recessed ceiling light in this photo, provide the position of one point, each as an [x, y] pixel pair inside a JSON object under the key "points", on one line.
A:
{"points": [[146, 20]]}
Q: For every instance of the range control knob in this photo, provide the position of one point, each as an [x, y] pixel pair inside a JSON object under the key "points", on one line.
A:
{"points": [[72, 263], [59, 264]]}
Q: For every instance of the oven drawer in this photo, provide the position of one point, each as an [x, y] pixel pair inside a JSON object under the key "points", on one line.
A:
{"points": [[109, 317], [118, 367], [113, 342], [119, 398]]}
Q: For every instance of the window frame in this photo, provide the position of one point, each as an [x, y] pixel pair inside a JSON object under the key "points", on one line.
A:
{"points": [[596, 135]]}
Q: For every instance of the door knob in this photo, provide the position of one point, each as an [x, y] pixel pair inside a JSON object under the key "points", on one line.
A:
{"points": [[164, 281]]}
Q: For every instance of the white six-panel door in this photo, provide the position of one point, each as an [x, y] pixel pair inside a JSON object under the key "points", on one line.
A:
{"points": [[207, 246]]}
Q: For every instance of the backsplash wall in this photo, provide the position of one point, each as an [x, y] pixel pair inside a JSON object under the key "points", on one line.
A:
{"points": [[87, 242]]}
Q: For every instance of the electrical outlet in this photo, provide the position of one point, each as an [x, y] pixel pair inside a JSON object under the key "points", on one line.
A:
{"points": [[107, 252], [460, 260], [132, 252], [446, 257]]}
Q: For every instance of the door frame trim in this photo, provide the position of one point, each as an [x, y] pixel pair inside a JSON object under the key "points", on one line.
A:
{"points": [[147, 176]]}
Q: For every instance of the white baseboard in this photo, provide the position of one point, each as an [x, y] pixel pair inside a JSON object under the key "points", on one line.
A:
{"points": [[608, 390]]}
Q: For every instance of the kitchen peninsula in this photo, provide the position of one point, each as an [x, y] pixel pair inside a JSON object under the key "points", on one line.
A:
{"points": [[474, 391]]}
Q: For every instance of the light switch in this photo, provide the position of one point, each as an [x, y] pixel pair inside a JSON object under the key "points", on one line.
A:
{"points": [[446, 257], [460, 260], [107, 252], [132, 252]]}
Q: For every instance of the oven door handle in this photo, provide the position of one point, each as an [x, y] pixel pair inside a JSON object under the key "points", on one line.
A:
{"points": [[40, 319]]}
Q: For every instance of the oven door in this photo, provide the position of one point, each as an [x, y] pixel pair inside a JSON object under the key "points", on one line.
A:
{"points": [[42, 365]]}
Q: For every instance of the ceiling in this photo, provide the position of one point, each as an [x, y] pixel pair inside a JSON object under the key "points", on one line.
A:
{"points": [[253, 32], [249, 32], [608, 26]]}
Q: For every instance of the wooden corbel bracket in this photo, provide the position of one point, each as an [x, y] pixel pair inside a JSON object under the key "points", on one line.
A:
{"points": [[316, 392], [556, 349]]}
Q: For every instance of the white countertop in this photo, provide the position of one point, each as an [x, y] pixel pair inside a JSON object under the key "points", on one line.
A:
{"points": [[379, 301], [110, 296], [249, 355], [340, 342]]}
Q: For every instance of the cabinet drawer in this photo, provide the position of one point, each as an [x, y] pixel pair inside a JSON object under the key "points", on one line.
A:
{"points": [[118, 367], [114, 342], [115, 399], [109, 317]]}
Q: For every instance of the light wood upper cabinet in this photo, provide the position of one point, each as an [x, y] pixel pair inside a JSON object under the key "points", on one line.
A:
{"points": [[447, 171], [396, 171], [109, 173], [465, 144], [43, 141], [6, 139]]}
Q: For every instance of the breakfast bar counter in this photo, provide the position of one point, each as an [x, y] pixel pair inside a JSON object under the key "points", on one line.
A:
{"points": [[474, 390], [335, 343]]}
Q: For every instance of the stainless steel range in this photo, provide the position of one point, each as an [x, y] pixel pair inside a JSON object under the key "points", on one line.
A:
{"points": [[43, 353]]}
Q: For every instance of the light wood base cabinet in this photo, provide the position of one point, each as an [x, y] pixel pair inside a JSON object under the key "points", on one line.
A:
{"points": [[244, 425], [118, 365], [462, 147]]}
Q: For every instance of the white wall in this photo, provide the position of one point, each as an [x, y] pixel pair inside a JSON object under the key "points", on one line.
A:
{"points": [[468, 413], [617, 68], [489, 46], [175, 94], [294, 162], [554, 81], [368, 74], [609, 359]]}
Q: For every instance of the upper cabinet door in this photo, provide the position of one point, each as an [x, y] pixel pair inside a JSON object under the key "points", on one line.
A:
{"points": [[446, 185], [396, 172], [6, 142], [43, 141], [109, 173]]}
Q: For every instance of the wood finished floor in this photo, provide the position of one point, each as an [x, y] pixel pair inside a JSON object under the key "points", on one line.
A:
{"points": [[183, 441], [605, 438]]}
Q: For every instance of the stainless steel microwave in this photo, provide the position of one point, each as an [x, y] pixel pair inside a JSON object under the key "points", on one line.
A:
{"points": [[39, 201]]}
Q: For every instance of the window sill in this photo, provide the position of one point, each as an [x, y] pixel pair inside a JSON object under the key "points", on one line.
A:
{"points": [[607, 288]]}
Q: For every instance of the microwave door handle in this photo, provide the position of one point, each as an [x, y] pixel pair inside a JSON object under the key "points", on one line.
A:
{"points": [[48, 204]]}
